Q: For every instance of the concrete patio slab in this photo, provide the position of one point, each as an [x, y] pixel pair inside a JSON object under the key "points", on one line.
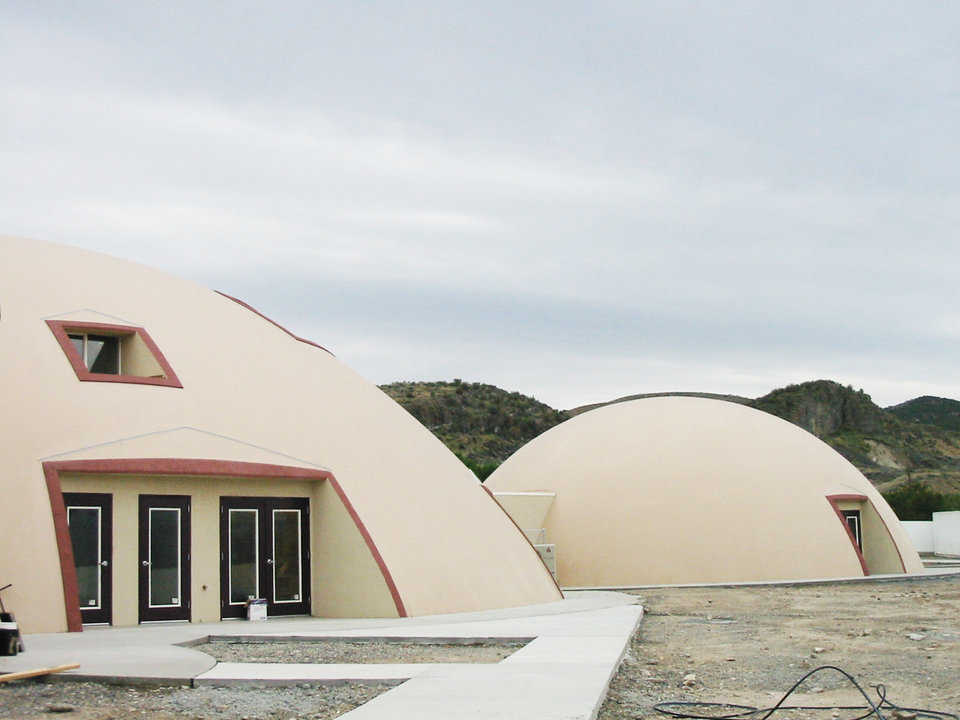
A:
{"points": [[576, 647]]}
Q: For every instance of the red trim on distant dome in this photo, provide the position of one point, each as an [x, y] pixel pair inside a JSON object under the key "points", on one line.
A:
{"points": [[524, 535], [60, 328], [252, 309], [178, 466], [850, 497]]}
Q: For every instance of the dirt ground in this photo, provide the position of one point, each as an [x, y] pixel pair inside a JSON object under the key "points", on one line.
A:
{"points": [[39, 700], [749, 645], [358, 651]]}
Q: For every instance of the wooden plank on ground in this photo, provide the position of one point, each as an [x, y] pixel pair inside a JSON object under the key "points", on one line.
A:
{"points": [[23, 674]]}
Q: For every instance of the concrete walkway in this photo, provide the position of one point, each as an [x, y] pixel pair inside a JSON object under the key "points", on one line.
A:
{"points": [[563, 672]]}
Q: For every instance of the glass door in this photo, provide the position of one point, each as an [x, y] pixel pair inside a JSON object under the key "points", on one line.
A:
{"points": [[90, 518], [265, 554], [164, 557]]}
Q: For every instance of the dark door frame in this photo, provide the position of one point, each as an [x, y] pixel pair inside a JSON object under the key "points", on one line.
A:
{"points": [[181, 611], [858, 532], [265, 507], [104, 502]]}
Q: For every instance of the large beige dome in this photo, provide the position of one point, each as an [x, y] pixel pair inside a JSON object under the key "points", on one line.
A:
{"points": [[144, 416], [690, 490]]}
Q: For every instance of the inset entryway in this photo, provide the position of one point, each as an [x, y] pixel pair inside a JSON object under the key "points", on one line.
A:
{"points": [[164, 557], [90, 519], [853, 522], [264, 553]]}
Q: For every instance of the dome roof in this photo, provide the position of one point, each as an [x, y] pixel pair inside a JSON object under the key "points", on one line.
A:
{"points": [[247, 391], [691, 490]]}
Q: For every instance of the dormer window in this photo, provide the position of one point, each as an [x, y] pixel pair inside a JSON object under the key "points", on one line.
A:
{"points": [[100, 352]]}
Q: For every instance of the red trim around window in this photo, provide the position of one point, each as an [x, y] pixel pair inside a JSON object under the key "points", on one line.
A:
{"points": [[61, 328], [179, 466]]}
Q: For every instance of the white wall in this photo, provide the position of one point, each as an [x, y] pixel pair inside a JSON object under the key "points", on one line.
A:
{"points": [[946, 533], [921, 534]]}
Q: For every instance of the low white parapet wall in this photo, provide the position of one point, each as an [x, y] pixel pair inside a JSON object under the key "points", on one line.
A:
{"points": [[921, 534], [946, 533]]}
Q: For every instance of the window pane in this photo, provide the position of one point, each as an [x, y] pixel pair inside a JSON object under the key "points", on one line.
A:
{"points": [[77, 341], [85, 537], [103, 354], [286, 555], [243, 555], [164, 557]]}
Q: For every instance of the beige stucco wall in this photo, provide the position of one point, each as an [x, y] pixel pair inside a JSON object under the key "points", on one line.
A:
{"points": [[879, 550], [250, 392], [528, 509], [688, 490], [347, 580], [137, 358]]}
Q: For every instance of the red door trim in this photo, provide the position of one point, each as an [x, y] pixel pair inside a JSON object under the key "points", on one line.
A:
{"points": [[179, 466], [834, 501]]}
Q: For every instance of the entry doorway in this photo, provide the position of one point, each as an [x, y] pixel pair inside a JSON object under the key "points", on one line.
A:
{"points": [[164, 558], [264, 553], [90, 519], [852, 518]]}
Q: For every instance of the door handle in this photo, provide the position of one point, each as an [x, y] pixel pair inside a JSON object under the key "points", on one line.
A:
{"points": [[104, 563], [145, 563], [269, 561]]}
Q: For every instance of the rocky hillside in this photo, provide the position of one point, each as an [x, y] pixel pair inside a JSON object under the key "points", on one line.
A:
{"points": [[887, 449], [913, 441], [481, 423], [929, 410]]}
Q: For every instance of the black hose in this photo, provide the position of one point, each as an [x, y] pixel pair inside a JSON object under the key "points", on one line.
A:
{"points": [[748, 712]]}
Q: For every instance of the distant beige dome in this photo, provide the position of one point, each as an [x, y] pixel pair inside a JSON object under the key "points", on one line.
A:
{"points": [[127, 391], [689, 490]]}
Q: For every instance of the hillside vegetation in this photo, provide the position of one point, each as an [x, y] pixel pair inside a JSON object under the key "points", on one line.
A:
{"points": [[918, 440], [482, 424], [928, 410]]}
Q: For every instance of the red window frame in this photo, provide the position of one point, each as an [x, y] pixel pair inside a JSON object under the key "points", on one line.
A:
{"points": [[62, 328]]}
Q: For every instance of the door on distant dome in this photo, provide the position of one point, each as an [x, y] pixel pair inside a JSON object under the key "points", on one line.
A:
{"points": [[90, 519], [852, 518], [164, 557], [265, 553]]}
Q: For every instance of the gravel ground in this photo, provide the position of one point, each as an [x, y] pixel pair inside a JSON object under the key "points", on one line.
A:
{"points": [[749, 645], [36, 700], [359, 651], [46, 698]]}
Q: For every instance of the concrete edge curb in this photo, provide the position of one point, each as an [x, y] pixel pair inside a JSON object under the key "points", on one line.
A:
{"points": [[616, 666]]}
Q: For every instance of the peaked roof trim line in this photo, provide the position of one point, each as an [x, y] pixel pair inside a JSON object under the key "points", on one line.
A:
{"points": [[252, 309], [178, 466], [59, 329]]}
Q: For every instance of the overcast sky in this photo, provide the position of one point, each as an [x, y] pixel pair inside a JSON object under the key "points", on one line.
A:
{"points": [[578, 201]]}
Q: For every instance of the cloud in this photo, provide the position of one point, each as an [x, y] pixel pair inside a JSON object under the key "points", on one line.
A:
{"points": [[575, 201]]}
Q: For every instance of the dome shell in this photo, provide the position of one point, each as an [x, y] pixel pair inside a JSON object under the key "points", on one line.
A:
{"points": [[215, 402], [674, 490]]}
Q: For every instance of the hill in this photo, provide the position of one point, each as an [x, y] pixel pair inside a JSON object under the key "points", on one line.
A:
{"points": [[482, 424], [929, 410], [885, 448], [916, 440]]}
